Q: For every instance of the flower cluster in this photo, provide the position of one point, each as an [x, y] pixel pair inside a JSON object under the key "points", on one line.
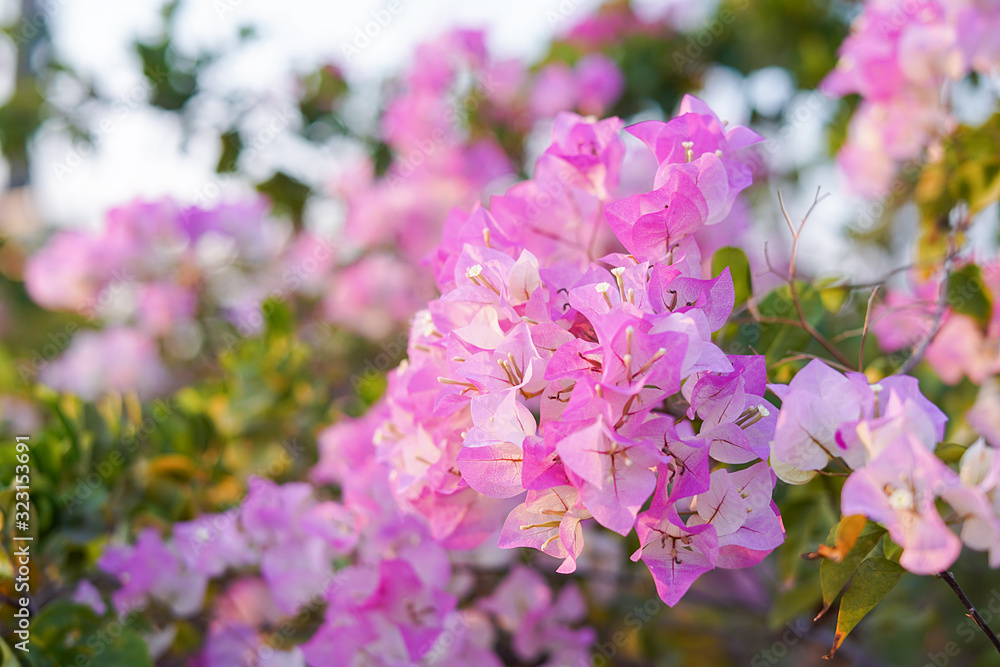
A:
{"points": [[885, 435], [146, 275], [961, 347], [384, 588], [898, 57], [587, 387], [156, 267], [440, 163], [282, 532]]}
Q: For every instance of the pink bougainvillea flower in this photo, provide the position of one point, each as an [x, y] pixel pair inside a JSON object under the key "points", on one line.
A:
{"points": [[675, 554], [898, 489], [550, 522]]}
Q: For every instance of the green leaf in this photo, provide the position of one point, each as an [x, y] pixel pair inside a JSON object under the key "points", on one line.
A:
{"points": [[875, 578], [967, 294], [978, 183], [739, 268], [232, 146], [775, 338], [278, 317], [834, 576], [287, 194], [68, 634], [9, 659], [834, 298], [892, 550], [950, 452]]}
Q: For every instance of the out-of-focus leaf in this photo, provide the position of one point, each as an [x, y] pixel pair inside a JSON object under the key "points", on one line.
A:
{"points": [[968, 295], [288, 195], [8, 656], [232, 146], [176, 466], [978, 183], [774, 338], [950, 452], [64, 633], [891, 550], [834, 298], [739, 268]]}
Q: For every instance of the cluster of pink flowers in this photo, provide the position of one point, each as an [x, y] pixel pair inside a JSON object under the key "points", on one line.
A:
{"points": [[394, 220], [150, 271], [590, 87], [898, 57], [961, 347], [586, 387], [885, 434], [387, 591], [145, 276]]}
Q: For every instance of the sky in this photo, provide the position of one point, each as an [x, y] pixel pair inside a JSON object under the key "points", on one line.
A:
{"points": [[141, 153]]}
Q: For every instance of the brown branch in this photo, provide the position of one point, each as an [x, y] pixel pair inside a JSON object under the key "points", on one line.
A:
{"points": [[942, 302], [949, 579], [805, 355], [864, 332], [810, 329]]}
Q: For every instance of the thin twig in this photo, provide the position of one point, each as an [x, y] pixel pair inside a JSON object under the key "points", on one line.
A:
{"points": [[942, 304], [806, 355], [949, 578], [770, 269], [844, 335], [864, 332], [820, 338], [885, 278]]}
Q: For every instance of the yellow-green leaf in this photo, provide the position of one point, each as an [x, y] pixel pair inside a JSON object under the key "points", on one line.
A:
{"points": [[950, 452], [967, 294], [834, 576], [875, 578], [739, 268]]}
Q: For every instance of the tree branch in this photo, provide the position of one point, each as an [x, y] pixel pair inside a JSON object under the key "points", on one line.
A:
{"points": [[810, 329], [942, 302], [949, 578], [864, 332]]}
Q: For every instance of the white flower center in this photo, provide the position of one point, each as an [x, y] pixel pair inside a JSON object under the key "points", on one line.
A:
{"points": [[901, 499]]}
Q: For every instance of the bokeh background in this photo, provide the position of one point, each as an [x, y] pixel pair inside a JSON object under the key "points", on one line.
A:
{"points": [[275, 126]]}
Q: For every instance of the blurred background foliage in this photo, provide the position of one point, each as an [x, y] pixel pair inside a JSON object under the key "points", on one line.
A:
{"points": [[254, 405]]}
